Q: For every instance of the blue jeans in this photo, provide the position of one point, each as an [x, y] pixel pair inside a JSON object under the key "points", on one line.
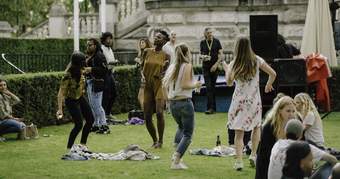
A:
{"points": [[183, 113], [323, 172], [95, 101], [10, 126]]}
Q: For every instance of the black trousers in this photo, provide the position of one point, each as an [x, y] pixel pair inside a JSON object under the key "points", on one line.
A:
{"points": [[109, 93], [210, 82], [77, 109], [231, 137]]}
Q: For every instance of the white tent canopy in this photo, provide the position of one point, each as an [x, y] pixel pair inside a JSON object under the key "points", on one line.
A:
{"points": [[318, 33]]}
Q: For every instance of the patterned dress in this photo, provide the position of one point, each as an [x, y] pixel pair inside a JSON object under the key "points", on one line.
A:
{"points": [[245, 110]]}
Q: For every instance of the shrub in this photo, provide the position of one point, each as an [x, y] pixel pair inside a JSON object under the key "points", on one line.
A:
{"points": [[38, 46], [38, 92]]}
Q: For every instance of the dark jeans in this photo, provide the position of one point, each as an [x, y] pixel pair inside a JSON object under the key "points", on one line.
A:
{"points": [[231, 137], [323, 172], [78, 108], [109, 93], [183, 113], [10, 126], [210, 82]]}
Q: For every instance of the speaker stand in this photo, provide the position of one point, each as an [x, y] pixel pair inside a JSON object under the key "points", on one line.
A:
{"points": [[325, 115]]}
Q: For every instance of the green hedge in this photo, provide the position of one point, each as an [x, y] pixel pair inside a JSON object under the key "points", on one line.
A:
{"points": [[38, 92], [39, 46]]}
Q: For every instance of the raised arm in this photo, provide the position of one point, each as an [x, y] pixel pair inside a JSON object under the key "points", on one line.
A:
{"points": [[229, 77]]}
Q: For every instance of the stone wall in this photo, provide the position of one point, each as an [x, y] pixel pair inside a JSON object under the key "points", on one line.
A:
{"points": [[228, 18]]}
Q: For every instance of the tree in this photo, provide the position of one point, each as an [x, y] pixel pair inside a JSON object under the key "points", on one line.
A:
{"points": [[24, 13], [29, 13]]}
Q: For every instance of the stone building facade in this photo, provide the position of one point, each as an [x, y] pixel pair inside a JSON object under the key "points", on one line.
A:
{"points": [[129, 20], [229, 18]]}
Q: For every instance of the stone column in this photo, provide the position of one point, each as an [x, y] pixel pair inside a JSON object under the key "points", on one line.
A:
{"points": [[275, 2], [111, 14], [141, 4], [260, 2], [5, 29], [133, 6], [295, 1], [57, 21]]}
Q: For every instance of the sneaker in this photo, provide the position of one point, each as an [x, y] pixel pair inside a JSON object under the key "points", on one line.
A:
{"points": [[252, 161], [209, 111], [2, 139], [158, 145], [103, 130], [94, 129], [238, 165], [178, 166], [173, 157]]}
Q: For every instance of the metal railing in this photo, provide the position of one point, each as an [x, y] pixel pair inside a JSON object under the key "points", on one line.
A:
{"points": [[34, 63], [227, 56], [31, 63]]}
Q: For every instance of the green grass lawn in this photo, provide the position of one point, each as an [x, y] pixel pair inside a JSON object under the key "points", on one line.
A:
{"points": [[40, 158]]}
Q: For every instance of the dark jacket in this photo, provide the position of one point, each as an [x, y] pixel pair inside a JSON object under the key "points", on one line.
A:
{"points": [[99, 66], [264, 150]]}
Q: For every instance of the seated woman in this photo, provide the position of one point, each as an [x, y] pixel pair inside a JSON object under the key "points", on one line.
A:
{"points": [[311, 119], [272, 130], [8, 123]]}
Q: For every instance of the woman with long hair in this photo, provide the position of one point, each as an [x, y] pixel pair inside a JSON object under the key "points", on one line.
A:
{"points": [[180, 83], [245, 112], [96, 71], [311, 119], [71, 91], [143, 44], [273, 129]]}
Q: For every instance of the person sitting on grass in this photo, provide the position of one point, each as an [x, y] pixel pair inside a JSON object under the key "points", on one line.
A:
{"points": [[294, 131], [273, 130], [299, 161], [9, 123], [311, 119]]}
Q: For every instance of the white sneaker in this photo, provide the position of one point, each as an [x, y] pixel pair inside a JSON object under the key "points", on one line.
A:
{"points": [[178, 166], [238, 165], [252, 161]]}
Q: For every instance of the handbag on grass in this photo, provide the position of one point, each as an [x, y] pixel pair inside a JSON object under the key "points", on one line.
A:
{"points": [[32, 131]]}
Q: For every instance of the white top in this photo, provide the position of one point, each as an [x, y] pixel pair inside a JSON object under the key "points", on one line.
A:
{"points": [[175, 89], [278, 157], [314, 133], [169, 49], [109, 56]]}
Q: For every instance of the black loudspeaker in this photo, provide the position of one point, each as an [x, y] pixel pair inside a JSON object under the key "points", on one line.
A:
{"points": [[291, 76], [290, 72], [263, 36]]}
